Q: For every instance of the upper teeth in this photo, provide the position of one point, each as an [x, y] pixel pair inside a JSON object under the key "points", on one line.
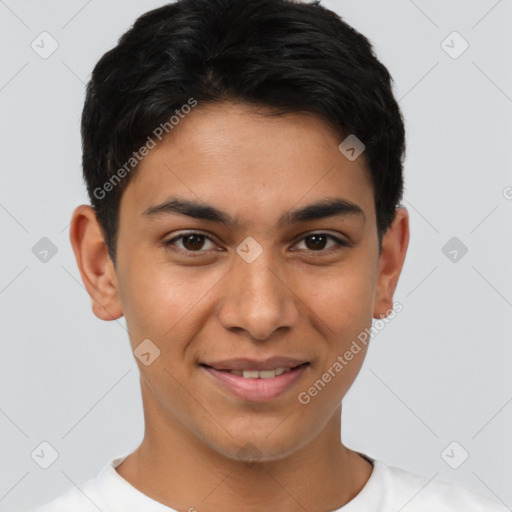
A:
{"points": [[263, 374]]}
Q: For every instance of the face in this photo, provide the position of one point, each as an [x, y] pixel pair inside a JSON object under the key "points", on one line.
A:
{"points": [[249, 279]]}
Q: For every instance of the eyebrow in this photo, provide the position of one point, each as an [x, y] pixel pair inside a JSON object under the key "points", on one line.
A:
{"points": [[325, 208]]}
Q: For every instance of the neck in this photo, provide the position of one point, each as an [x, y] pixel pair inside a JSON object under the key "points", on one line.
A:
{"points": [[176, 468]]}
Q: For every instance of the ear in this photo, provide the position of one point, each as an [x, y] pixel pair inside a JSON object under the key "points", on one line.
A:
{"points": [[96, 267], [394, 247]]}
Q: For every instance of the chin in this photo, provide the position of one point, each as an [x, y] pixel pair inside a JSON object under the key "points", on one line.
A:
{"points": [[258, 449]]}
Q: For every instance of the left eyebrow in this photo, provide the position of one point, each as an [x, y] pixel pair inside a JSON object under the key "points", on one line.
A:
{"points": [[323, 209], [336, 207]]}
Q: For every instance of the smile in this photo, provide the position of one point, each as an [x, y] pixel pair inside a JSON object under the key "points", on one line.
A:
{"points": [[257, 385]]}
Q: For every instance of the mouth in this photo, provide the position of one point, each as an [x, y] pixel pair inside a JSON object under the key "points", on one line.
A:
{"points": [[256, 384]]}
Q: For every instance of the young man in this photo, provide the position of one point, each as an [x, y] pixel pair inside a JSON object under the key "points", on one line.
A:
{"points": [[244, 163]]}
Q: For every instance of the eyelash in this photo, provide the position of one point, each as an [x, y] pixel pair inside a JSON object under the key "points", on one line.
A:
{"points": [[341, 243]]}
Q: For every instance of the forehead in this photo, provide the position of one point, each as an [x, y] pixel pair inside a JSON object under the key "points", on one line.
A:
{"points": [[242, 160]]}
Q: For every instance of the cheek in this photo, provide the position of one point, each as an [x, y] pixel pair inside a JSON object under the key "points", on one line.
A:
{"points": [[341, 299], [165, 304], [152, 300]]}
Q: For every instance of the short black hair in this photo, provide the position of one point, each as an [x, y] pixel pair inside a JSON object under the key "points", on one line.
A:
{"points": [[287, 55]]}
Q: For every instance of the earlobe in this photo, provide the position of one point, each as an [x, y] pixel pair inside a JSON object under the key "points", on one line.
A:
{"points": [[94, 263], [394, 248]]}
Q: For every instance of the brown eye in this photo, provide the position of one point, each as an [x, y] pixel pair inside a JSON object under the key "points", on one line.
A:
{"points": [[191, 242], [316, 242]]}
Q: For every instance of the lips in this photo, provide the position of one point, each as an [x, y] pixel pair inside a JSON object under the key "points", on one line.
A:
{"points": [[257, 381]]}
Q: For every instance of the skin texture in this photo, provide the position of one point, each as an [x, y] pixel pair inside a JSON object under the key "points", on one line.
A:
{"points": [[200, 441]]}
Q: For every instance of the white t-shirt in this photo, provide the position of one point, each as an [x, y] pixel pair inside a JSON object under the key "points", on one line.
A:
{"points": [[388, 489]]}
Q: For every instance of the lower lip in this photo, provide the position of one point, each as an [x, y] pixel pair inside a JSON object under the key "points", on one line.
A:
{"points": [[258, 390]]}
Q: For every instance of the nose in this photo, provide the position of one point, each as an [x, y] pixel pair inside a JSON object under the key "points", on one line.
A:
{"points": [[257, 299]]}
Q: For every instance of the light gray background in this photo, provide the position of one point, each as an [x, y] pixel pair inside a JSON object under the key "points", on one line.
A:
{"points": [[439, 372]]}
